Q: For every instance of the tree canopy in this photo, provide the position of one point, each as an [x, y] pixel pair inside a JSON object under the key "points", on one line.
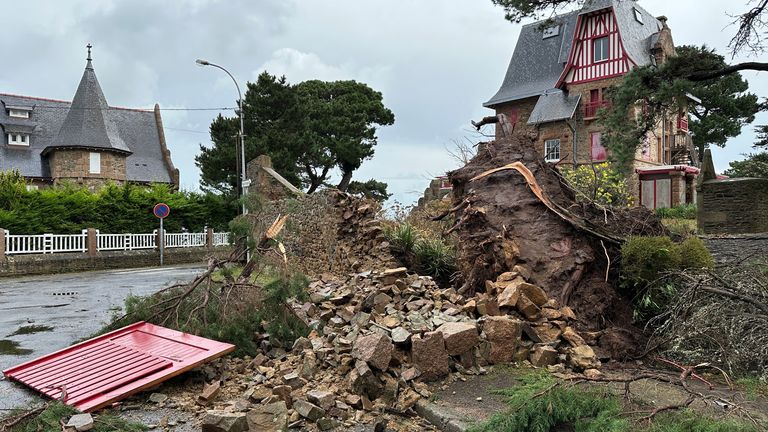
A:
{"points": [[725, 105], [308, 129], [755, 165]]}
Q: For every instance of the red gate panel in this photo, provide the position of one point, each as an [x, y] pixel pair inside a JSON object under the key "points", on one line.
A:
{"points": [[103, 370]]}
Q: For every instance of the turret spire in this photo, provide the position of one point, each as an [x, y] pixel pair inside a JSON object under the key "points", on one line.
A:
{"points": [[89, 65]]}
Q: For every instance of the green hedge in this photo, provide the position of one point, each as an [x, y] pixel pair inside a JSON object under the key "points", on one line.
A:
{"points": [[682, 211], [113, 209], [645, 261]]}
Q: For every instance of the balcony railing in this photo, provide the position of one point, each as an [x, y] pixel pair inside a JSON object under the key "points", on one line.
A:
{"points": [[591, 108]]}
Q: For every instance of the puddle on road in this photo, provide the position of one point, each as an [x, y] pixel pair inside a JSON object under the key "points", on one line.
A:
{"points": [[10, 347], [30, 329]]}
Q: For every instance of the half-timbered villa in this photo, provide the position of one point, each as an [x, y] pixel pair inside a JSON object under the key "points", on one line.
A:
{"points": [[557, 81]]}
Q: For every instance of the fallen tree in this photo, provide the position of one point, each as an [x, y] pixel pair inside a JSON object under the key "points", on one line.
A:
{"points": [[512, 209], [718, 316]]}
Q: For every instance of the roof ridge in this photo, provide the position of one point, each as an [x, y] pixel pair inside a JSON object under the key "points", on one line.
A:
{"points": [[148, 110]]}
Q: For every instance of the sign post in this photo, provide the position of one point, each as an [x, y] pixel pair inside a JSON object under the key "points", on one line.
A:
{"points": [[161, 211]]}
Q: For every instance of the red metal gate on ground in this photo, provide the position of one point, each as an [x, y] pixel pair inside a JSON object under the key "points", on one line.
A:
{"points": [[100, 371]]}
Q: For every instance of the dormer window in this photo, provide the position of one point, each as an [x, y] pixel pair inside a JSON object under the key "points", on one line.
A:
{"points": [[18, 139], [550, 31], [638, 15], [18, 113]]}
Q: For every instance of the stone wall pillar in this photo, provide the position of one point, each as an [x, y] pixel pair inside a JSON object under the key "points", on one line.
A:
{"points": [[2, 245], [92, 243], [208, 237]]}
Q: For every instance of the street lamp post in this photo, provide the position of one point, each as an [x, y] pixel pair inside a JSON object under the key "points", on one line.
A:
{"points": [[243, 180]]}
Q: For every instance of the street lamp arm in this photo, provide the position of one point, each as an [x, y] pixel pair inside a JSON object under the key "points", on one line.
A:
{"points": [[239, 94]]}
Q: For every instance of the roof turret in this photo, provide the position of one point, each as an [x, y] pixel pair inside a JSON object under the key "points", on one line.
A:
{"points": [[87, 124]]}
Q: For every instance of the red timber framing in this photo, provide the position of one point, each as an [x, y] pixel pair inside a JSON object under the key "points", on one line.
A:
{"points": [[581, 66]]}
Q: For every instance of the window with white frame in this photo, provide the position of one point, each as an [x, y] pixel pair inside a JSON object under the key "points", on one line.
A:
{"points": [[600, 49], [16, 113], [19, 139], [552, 150], [95, 163]]}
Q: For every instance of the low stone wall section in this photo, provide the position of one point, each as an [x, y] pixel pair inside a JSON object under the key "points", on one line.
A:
{"points": [[21, 265], [733, 206]]}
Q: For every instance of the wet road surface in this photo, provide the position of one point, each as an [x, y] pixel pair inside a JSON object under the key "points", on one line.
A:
{"points": [[75, 305]]}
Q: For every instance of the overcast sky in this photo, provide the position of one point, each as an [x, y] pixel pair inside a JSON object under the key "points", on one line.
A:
{"points": [[435, 61]]}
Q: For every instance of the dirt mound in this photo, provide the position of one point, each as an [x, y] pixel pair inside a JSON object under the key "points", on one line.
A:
{"points": [[565, 244]]}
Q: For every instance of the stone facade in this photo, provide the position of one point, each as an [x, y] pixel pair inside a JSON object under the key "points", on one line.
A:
{"points": [[74, 165]]}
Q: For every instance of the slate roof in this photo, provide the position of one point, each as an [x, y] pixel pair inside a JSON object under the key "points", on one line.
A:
{"points": [[130, 131], [537, 63], [554, 105], [86, 124]]}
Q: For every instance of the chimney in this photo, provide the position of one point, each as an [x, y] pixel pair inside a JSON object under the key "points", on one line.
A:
{"points": [[663, 20]]}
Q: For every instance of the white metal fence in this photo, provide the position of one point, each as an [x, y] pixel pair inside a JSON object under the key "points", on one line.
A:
{"points": [[16, 244], [108, 242], [45, 243], [220, 239]]}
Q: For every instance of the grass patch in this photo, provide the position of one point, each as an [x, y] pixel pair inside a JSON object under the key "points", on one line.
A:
{"points": [[48, 421], [580, 409], [681, 227], [537, 404], [753, 387], [9, 347], [30, 329]]}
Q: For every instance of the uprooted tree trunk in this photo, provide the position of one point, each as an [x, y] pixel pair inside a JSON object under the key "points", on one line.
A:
{"points": [[525, 214]]}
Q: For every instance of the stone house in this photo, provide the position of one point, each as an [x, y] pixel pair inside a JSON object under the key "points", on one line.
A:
{"points": [[85, 141], [557, 80]]}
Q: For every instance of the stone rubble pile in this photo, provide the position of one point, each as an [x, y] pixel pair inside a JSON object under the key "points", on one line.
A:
{"points": [[378, 337]]}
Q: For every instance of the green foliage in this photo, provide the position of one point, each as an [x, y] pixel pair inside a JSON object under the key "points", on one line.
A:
{"points": [[370, 189], [401, 237], [762, 131], [725, 107], [691, 421], [695, 255], [651, 93], [755, 165], [681, 211], [113, 209], [534, 409], [281, 323], [599, 182], [435, 258], [307, 129], [48, 421], [538, 404], [234, 316], [644, 260], [427, 255]]}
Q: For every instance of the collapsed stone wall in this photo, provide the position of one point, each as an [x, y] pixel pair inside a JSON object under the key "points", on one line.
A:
{"points": [[733, 206], [329, 232]]}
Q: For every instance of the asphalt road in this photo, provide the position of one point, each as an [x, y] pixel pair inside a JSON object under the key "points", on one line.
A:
{"points": [[75, 305]]}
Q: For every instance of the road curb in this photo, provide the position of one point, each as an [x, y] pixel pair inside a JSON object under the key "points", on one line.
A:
{"points": [[441, 417]]}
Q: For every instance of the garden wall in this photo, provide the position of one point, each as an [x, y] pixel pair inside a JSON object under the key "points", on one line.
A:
{"points": [[733, 206]]}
